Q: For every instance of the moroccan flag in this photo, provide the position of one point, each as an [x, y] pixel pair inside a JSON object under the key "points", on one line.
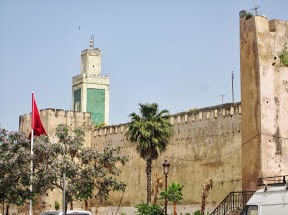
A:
{"points": [[36, 123]]}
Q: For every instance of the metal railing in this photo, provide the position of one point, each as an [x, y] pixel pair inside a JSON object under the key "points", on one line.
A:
{"points": [[233, 201]]}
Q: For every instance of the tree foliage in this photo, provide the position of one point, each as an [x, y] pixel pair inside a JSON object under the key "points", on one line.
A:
{"points": [[89, 173], [152, 131], [15, 168], [173, 194]]}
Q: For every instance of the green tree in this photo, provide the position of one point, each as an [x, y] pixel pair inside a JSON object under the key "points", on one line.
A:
{"points": [[15, 168], [86, 169], [152, 131], [173, 194]]}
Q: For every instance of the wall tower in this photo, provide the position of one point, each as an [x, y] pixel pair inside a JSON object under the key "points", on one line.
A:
{"points": [[264, 99], [90, 89]]}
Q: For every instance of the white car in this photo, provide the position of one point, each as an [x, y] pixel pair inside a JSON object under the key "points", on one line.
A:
{"points": [[75, 212]]}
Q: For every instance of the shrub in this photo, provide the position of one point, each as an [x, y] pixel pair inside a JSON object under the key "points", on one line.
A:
{"points": [[56, 205], [149, 209], [198, 212], [283, 56]]}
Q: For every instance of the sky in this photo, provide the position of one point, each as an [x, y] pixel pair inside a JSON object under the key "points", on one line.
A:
{"points": [[179, 54]]}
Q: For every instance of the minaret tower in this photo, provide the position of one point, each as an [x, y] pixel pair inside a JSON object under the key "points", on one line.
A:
{"points": [[90, 89]]}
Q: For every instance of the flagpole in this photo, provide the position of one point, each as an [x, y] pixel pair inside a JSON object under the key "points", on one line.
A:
{"points": [[32, 136]]}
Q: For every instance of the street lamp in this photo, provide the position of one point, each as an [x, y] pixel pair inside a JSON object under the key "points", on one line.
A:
{"points": [[166, 172]]}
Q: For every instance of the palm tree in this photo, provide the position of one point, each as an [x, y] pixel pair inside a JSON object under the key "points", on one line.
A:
{"points": [[152, 131], [173, 194], [206, 187]]}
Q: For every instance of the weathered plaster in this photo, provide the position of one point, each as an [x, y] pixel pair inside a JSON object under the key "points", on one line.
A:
{"points": [[264, 99]]}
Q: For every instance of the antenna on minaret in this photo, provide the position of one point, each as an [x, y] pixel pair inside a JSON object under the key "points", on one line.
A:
{"points": [[92, 42], [255, 9]]}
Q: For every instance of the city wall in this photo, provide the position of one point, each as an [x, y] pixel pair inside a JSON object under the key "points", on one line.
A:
{"points": [[206, 143]]}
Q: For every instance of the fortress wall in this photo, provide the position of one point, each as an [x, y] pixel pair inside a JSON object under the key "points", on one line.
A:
{"points": [[206, 143], [264, 98], [51, 118]]}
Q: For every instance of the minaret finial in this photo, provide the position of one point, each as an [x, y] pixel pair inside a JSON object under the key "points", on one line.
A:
{"points": [[92, 42]]}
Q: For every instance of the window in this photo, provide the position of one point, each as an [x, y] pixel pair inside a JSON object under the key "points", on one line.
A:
{"points": [[250, 210]]}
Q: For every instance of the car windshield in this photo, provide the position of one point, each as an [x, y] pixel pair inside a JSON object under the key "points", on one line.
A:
{"points": [[250, 210]]}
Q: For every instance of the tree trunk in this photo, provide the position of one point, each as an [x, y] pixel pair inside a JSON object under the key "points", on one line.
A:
{"points": [[86, 205], [7, 209], [149, 173], [174, 208]]}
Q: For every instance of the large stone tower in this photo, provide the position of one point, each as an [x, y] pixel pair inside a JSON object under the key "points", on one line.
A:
{"points": [[264, 98], [90, 90]]}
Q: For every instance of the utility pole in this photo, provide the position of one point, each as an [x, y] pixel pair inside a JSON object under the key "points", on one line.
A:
{"points": [[232, 87], [222, 98]]}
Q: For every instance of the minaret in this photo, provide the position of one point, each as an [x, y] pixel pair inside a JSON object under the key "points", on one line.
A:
{"points": [[90, 89]]}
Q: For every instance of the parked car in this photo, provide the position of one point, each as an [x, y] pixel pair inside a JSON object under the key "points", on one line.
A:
{"points": [[75, 212]]}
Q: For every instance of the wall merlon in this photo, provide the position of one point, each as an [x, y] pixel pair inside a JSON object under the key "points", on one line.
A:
{"points": [[223, 112], [59, 112], [26, 117], [215, 113], [277, 25], [231, 110], [200, 115], [208, 115], [178, 119]]}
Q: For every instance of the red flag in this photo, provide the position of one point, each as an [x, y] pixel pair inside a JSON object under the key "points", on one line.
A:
{"points": [[36, 123]]}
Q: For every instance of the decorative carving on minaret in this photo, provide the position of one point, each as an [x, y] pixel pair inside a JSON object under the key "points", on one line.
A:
{"points": [[92, 42]]}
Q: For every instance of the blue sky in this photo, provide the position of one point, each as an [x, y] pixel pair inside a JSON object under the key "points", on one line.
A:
{"points": [[179, 54]]}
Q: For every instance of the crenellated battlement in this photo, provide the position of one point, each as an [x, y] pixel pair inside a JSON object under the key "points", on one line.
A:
{"points": [[58, 113], [207, 113]]}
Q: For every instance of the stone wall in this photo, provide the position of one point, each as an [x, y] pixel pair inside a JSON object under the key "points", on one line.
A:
{"points": [[51, 118], [206, 144], [264, 98]]}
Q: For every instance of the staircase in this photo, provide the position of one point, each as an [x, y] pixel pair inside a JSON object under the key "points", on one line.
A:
{"points": [[234, 201]]}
